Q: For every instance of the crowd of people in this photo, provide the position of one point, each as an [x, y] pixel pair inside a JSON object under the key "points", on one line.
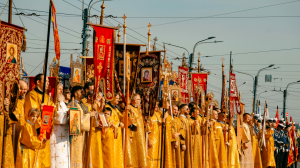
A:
{"points": [[181, 138]]}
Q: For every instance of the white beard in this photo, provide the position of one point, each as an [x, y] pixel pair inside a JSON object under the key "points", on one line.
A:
{"points": [[61, 98]]}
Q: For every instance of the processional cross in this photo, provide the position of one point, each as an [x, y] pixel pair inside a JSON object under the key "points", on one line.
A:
{"points": [[166, 74]]}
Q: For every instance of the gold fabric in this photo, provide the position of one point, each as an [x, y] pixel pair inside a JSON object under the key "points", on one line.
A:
{"points": [[212, 150], [168, 143], [177, 127], [256, 152], [186, 155], [154, 153], [233, 154], [96, 148], [108, 148], [32, 147], [34, 100], [1, 136], [78, 142], [220, 144], [19, 113], [247, 154], [136, 151], [8, 152], [267, 154], [196, 143], [118, 143]]}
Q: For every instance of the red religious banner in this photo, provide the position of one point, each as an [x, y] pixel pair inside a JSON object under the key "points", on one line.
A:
{"points": [[183, 76], [55, 33], [234, 95], [46, 122], [199, 80], [50, 89], [104, 60]]}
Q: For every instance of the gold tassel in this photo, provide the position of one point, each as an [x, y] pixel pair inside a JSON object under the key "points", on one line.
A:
{"points": [[54, 59], [24, 43]]}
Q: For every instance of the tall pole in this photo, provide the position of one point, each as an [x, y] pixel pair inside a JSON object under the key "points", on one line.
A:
{"points": [[47, 51], [124, 55], [149, 34], [284, 97], [223, 87], [230, 71], [102, 13], [84, 35], [199, 65], [254, 96], [10, 11]]}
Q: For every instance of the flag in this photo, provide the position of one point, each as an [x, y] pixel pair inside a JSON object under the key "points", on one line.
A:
{"points": [[277, 116], [46, 122], [198, 80], [55, 33], [183, 76], [234, 95]]}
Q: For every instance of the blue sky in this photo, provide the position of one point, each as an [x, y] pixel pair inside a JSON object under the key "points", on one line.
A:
{"points": [[245, 27]]}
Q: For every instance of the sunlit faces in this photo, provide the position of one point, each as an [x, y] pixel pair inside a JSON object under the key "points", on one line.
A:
{"points": [[215, 113], [175, 110], [185, 110]]}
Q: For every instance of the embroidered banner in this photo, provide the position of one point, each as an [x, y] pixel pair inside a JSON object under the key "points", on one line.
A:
{"points": [[50, 89], [11, 38], [183, 76], [89, 70], [46, 122], [147, 80], [198, 80], [104, 60], [234, 95], [55, 33]]}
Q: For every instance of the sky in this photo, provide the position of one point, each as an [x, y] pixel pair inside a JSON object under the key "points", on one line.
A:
{"points": [[259, 33]]}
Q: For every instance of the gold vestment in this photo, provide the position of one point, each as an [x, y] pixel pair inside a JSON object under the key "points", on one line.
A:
{"points": [[247, 152], [220, 144], [212, 150], [136, 150], [267, 154], [256, 152], [186, 156], [233, 154], [154, 153], [196, 142], [168, 143], [108, 148], [177, 128]]}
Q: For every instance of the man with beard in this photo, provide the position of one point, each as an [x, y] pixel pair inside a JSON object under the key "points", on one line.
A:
{"points": [[17, 116], [247, 155], [59, 141], [67, 95]]}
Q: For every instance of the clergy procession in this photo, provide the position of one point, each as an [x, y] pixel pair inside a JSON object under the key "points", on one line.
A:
{"points": [[120, 106]]}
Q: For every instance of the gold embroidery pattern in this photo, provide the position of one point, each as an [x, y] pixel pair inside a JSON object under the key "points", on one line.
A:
{"points": [[102, 39], [101, 53], [108, 41]]}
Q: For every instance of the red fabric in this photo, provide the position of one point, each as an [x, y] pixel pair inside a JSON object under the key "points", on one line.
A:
{"points": [[183, 83], [277, 116], [293, 135], [50, 89], [46, 121], [9, 71], [234, 94], [55, 33], [104, 60], [198, 80]]}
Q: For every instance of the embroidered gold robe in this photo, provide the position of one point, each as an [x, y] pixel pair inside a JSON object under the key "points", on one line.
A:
{"points": [[212, 150], [177, 128], [136, 151], [247, 154], [78, 142], [220, 144], [168, 143], [108, 148], [31, 145], [196, 142], [34, 100], [233, 154], [256, 151], [267, 154], [186, 156], [19, 113], [8, 152], [154, 153], [118, 143]]}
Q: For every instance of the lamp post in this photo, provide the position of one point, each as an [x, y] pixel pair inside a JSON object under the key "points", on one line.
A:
{"points": [[284, 97], [255, 85], [242, 84], [261, 93]]}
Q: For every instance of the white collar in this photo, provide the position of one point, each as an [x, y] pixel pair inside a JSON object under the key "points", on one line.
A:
{"points": [[30, 122], [183, 115]]}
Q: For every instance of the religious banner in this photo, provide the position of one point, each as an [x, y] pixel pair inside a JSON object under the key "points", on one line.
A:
{"points": [[199, 80], [45, 130], [89, 70], [65, 74], [50, 89], [147, 80], [55, 33], [183, 76], [104, 60], [11, 38], [234, 95]]}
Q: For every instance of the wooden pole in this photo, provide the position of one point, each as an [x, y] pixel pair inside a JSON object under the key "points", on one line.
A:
{"points": [[10, 11], [126, 121], [47, 51]]}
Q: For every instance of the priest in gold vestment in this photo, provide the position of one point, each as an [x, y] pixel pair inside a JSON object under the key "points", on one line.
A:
{"points": [[116, 119], [177, 135], [220, 141], [255, 145], [267, 154], [78, 142], [168, 157], [136, 145], [154, 145], [247, 153], [233, 154], [34, 100]]}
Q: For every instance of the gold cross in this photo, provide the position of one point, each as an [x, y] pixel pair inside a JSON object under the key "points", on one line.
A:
{"points": [[100, 68], [62, 149], [54, 156], [124, 17], [222, 59], [62, 162], [199, 54], [155, 39], [61, 136], [149, 25]]}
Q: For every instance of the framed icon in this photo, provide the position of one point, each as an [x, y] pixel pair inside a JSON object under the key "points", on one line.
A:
{"points": [[75, 121], [146, 75], [77, 69], [11, 53]]}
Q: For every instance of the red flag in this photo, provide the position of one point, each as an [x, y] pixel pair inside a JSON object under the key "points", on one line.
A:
{"points": [[277, 116], [55, 33], [46, 122], [198, 80]]}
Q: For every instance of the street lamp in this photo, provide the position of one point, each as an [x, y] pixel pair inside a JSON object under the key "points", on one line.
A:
{"points": [[284, 96], [255, 85], [242, 84], [261, 93], [200, 42], [178, 47]]}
